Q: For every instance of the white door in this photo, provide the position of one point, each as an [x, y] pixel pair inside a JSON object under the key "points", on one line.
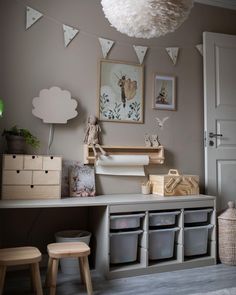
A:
{"points": [[220, 116]]}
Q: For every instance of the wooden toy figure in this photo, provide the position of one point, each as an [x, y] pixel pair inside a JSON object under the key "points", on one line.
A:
{"points": [[92, 135]]}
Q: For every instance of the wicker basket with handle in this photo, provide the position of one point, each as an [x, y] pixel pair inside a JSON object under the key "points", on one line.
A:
{"points": [[227, 235]]}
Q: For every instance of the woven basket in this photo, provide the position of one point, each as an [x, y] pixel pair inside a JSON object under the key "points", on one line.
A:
{"points": [[227, 235]]}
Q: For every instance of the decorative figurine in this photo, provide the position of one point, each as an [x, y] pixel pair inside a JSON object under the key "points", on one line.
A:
{"points": [[161, 122], [92, 135], [147, 140], [155, 140]]}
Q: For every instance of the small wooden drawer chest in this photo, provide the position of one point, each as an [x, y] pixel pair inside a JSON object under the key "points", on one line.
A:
{"points": [[31, 177]]}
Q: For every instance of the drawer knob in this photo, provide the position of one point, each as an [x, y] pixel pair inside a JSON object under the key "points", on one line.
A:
{"points": [[51, 157], [33, 157], [14, 156], [46, 171], [18, 171], [32, 186]]}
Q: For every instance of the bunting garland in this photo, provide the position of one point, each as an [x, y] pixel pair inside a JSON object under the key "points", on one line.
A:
{"points": [[200, 48], [173, 53], [106, 46], [141, 52], [32, 16], [69, 34]]}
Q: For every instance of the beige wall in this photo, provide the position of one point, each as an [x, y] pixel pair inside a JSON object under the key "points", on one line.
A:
{"points": [[35, 59]]}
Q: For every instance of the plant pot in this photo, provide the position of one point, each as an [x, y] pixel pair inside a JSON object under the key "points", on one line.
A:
{"points": [[15, 144]]}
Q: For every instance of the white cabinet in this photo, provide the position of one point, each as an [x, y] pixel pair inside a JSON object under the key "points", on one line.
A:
{"points": [[151, 258]]}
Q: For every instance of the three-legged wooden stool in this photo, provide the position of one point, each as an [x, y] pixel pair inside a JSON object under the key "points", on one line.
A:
{"points": [[21, 256], [64, 250]]}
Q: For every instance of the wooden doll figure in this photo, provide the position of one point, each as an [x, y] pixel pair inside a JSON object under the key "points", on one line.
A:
{"points": [[92, 135]]}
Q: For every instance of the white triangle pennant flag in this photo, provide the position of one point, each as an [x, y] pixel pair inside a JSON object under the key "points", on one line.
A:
{"points": [[173, 53], [69, 34], [200, 48], [106, 46], [32, 16], [141, 52]]}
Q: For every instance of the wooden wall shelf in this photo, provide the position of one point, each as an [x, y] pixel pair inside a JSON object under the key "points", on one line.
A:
{"points": [[156, 154]]}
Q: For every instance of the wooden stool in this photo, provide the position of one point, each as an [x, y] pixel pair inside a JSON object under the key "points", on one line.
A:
{"points": [[21, 256], [64, 250]]}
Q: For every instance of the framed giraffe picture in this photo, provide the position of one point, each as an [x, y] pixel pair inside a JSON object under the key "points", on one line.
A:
{"points": [[164, 92], [120, 92]]}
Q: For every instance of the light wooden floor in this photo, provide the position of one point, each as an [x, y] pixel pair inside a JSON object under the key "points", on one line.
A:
{"points": [[184, 282]]}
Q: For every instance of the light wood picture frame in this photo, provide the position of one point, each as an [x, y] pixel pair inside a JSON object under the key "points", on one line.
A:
{"points": [[164, 92], [120, 92]]}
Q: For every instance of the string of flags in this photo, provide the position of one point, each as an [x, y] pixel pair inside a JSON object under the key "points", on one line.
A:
{"points": [[32, 16], [200, 48], [141, 52], [106, 46], [69, 34], [173, 53]]}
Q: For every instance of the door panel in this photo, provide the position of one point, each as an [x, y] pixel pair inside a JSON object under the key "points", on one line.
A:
{"points": [[220, 116], [225, 62], [225, 174], [228, 128]]}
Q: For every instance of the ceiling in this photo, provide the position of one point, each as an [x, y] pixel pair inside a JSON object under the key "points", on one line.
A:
{"points": [[231, 4]]}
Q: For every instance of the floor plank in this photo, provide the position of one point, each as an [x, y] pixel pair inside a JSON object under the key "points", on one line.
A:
{"points": [[184, 282]]}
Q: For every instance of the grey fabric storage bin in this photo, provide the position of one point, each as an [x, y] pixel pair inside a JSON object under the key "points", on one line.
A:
{"points": [[125, 221], [161, 243], [162, 218], [195, 216], [196, 239], [124, 246]]}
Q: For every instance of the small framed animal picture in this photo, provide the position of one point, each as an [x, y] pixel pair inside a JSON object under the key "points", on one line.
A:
{"points": [[120, 92], [164, 92]]}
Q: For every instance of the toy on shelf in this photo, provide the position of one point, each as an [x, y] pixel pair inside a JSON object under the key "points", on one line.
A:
{"points": [[155, 140], [92, 135], [151, 140], [147, 140]]}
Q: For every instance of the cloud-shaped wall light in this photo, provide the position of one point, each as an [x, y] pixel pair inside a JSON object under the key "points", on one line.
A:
{"points": [[54, 106]]}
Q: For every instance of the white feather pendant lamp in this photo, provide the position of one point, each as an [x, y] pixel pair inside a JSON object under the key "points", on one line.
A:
{"points": [[146, 18]]}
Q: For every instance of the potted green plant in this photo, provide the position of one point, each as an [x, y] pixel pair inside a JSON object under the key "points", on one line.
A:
{"points": [[17, 138]]}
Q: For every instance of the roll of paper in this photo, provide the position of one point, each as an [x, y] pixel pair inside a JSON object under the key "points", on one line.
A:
{"points": [[132, 165]]}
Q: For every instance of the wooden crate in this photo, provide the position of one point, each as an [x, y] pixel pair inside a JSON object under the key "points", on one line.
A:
{"points": [[174, 184]]}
